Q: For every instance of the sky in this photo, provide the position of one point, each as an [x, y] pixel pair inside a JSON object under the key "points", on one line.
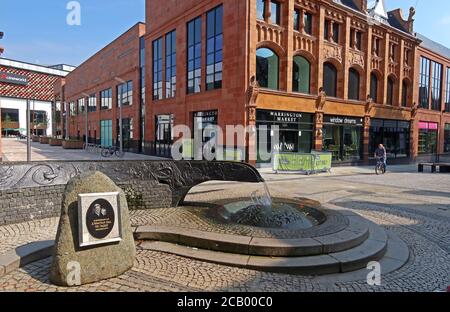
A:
{"points": [[37, 31]]}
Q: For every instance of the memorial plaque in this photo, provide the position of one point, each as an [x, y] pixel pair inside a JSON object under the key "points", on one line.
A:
{"points": [[99, 218]]}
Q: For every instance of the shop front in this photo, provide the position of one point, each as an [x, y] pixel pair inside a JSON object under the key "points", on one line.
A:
{"points": [[447, 138], [428, 137], [293, 129], [393, 134], [342, 137], [205, 123], [163, 135]]}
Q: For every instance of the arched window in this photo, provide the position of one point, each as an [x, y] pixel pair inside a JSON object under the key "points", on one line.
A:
{"points": [[301, 75], [330, 79], [353, 84], [267, 68], [390, 92], [405, 93], [374, 87]]}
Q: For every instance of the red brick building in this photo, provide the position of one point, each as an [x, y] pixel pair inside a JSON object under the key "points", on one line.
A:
{"points": [[432, 94], [336, 76], [96, 87]]}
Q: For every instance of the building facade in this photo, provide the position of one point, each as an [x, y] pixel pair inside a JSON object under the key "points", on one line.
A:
{"points": [[21, 82], [330, 74], [432, 95], [94, 92], [327, 75]]}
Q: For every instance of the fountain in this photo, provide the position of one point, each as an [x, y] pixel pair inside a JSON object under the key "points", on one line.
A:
{"points": [[246, 227]]}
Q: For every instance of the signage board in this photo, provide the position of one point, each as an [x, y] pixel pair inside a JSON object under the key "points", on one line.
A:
{"points": [[342, 120], [13, 78], [99, 219]]}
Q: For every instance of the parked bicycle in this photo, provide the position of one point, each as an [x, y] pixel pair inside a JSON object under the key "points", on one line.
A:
{"points": [[110, 151]]}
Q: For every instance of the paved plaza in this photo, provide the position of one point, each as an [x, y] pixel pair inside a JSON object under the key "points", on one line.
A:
{"points": [[415, 207], [15, 150]]}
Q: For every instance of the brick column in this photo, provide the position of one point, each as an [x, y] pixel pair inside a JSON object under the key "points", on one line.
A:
{"points": [[366, 138], [345, 62], [318, 130], [319, 51]]}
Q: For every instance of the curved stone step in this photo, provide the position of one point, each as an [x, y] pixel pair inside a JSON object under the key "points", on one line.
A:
{"points": [[353, 235], [352, 259]]}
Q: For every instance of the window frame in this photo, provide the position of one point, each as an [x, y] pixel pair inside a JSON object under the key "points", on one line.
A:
{"points": [[216, 35], [194, 75], [157, 66], [171, 64]]}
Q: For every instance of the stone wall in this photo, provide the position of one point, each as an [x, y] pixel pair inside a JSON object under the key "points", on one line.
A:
{"points": [[22, 205]]}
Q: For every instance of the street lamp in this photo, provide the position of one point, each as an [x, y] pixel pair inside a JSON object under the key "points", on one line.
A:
{"points": [[121, 81], [86, 117]]}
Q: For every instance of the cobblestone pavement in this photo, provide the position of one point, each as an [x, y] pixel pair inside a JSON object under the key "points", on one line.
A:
{"points": [[414, 206]]}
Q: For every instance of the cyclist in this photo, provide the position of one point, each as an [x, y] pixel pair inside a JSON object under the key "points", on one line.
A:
{"points": [[380, 155]]}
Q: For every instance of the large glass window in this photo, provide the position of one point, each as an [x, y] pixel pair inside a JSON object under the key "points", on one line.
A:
{"points": [[81, 105], [330, 79], [301, 75], [127, 132], [447, 138], [125, 93], [343, 141], [157, 70], [353, 84], [267, 68], [436, 86], [275, 14], [393, 134], [106, 133], [163, 135], [390, 92], [194, 55], [293, 129], [424, 83], [260, 9], [214, 49], [106, 99], [171, 64], [374, 87], [92, 105], [447, 97], [428, 137]]}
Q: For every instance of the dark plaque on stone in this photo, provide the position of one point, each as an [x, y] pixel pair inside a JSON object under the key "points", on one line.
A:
{"points": [[99, 216]]}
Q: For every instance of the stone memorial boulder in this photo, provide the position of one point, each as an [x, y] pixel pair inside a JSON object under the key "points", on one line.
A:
{"points": [[74, 265]]}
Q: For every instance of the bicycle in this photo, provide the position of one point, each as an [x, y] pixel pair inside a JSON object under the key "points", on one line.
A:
{"points": [[380, 168], [110, 151]]}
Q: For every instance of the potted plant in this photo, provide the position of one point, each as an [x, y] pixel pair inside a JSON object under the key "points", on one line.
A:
{"points": [[44, 140]]}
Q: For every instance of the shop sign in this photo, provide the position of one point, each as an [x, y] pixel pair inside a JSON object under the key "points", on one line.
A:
{"points": [[207, 117], [428, 125], [282, 116], [340, 120], [13, 78]]}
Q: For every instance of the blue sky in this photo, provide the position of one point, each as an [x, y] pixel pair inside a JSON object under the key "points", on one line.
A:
{"points": [[37, 32]]}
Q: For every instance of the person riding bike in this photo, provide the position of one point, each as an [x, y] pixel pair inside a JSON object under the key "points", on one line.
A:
{"points": [[380, 154]]}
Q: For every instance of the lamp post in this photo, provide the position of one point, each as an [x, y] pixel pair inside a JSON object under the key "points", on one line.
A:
{"points": [[28, 132], [121, 81], [86, 118]]}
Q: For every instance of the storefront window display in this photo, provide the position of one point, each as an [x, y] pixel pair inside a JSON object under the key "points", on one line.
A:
{"points": [[393, 134], [447, 138], [342, 136], [428, 137], [294, 130]]}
